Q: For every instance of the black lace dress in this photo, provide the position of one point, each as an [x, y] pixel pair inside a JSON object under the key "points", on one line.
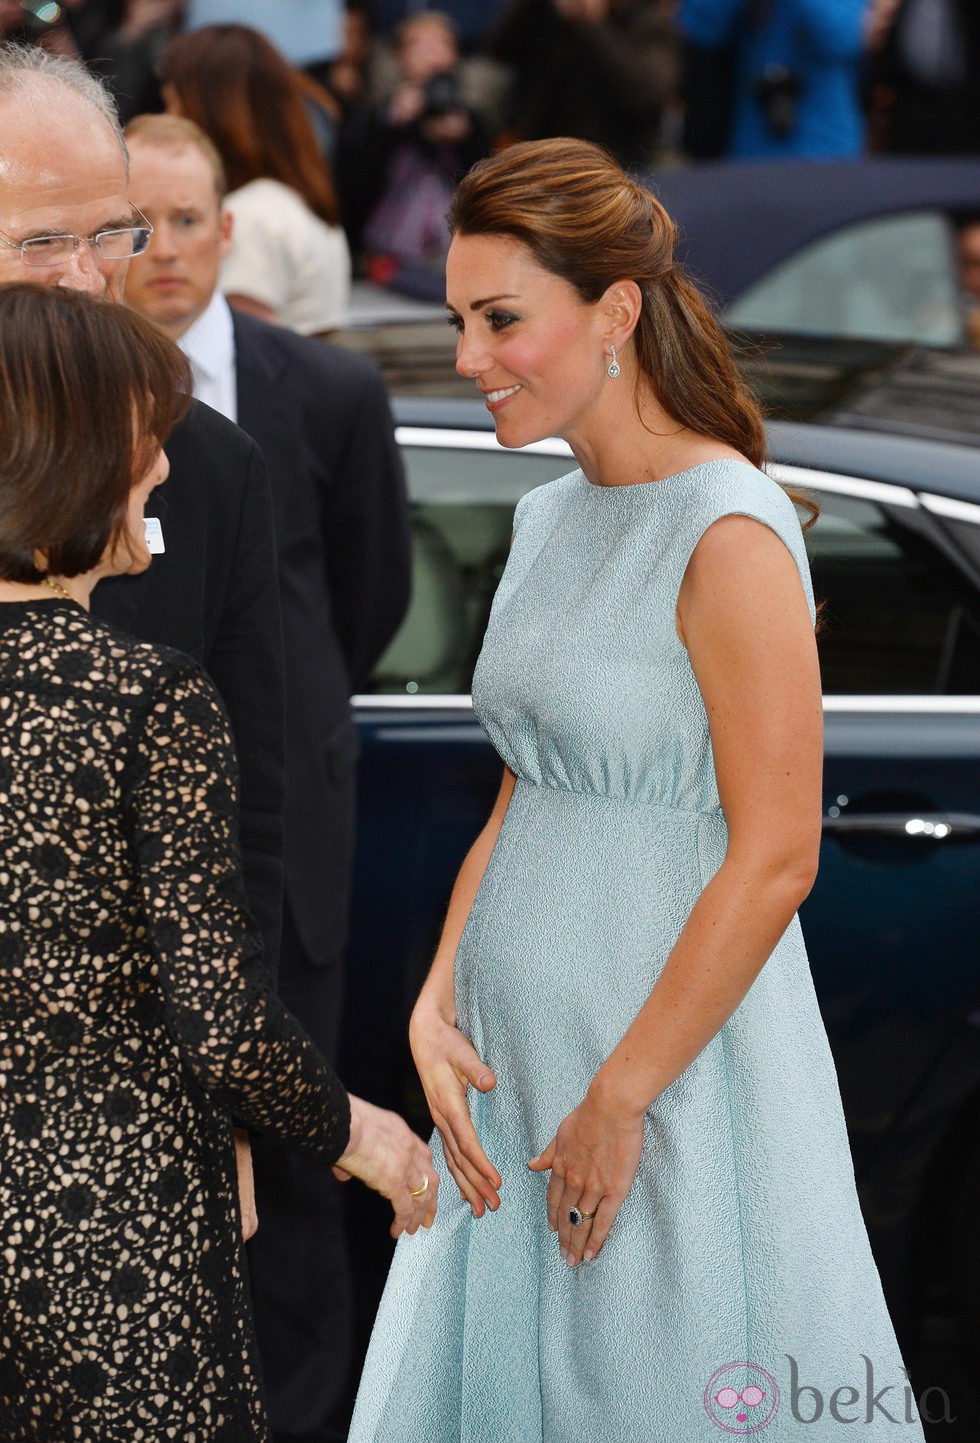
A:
{"points": [[135, 1022]]}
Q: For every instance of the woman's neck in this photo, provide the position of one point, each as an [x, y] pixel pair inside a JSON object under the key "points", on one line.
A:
{"points": [[69, 588], [626, 444]]}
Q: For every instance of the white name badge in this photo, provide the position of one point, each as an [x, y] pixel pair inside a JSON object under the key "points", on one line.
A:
{"points": [[154, 535]]}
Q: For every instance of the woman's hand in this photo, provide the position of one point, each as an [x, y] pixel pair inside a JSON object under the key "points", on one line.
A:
{"points": [[246, 1185], [593, 1159], [447, 1063], [390, 1158], [406, 104]]}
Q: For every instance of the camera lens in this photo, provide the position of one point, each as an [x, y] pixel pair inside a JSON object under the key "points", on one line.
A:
{"points": [[442, 93]]}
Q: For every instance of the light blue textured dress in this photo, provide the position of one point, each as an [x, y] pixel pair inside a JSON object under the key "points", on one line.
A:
{"points": [[741, 1240]]}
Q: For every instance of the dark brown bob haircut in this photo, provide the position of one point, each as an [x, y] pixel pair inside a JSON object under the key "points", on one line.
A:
{"points": [[233, 82], [88, 391]]}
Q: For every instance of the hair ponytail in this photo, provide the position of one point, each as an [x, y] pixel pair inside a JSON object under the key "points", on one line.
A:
{"points": [[584, 219], [687, 358]]}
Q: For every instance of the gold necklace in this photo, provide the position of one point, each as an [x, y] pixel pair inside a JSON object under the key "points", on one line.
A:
{"points": [[57, 587]]}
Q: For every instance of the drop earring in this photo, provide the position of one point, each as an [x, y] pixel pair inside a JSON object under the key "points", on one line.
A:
{"points": [[614, 366]]}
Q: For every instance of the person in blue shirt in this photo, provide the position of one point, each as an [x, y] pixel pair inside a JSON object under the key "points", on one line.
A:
{"points": [[797, 72]]}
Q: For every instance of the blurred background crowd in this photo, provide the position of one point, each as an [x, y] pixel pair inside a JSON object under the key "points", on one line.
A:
{"points": [[342, 129]]}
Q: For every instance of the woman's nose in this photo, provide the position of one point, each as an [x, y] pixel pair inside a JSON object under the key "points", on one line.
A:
{"points": [[471, 356]]}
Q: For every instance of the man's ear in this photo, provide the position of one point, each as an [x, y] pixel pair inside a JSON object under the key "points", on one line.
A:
{"points": [[226, 223]]}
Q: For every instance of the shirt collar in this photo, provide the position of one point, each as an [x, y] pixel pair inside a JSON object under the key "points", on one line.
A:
{"points": [[209, 344]]}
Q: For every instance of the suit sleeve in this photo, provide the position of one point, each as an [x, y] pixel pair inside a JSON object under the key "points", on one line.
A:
{"points": [[245, 662], [366, 533], [233, 1034]]}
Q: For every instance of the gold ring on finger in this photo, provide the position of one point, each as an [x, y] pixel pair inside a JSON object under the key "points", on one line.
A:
{"points": [[420, 1191], [576, 1217]]}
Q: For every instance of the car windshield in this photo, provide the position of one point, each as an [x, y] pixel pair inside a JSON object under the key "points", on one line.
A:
{"points": [[891, 279]]}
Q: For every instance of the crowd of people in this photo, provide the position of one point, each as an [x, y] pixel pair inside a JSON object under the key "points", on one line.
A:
{"points": [[177, 755], [400, 100]]}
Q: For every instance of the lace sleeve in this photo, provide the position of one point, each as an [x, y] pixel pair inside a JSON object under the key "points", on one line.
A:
{"points": [[233, 1033]]}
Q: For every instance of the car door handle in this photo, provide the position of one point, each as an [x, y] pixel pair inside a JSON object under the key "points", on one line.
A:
{"points": [[929, 826]]}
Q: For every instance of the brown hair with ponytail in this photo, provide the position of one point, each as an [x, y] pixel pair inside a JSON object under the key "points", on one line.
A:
{"points": [[584, 219]]}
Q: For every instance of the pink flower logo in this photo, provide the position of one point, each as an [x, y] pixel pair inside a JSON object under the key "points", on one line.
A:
{"points": [[741, 1397]]}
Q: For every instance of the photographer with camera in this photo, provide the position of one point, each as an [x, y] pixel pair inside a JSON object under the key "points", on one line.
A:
{"points": [[796, 63], [399, 162]]}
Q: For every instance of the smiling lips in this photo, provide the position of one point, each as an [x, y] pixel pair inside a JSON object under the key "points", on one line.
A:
{"points": [[494, 398]]}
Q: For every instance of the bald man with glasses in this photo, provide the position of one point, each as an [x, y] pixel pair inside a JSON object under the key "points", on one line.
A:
{"points": [[66, 220], [116, 243]]}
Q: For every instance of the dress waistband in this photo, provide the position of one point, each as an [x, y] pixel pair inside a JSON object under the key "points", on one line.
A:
{"points": [[632, 800]]}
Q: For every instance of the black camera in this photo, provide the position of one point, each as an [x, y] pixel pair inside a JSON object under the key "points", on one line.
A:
{"points": [[777, 90], [442, 94]]}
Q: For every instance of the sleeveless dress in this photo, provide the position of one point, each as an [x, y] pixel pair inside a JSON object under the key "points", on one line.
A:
{"points": [[741, 1241]]}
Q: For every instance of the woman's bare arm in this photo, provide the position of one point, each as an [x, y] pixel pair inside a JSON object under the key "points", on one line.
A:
{"points": [[743, 618], [446, 1060]]}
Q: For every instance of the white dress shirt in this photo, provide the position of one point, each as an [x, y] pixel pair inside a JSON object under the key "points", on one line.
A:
{"points": [[209, 345]]}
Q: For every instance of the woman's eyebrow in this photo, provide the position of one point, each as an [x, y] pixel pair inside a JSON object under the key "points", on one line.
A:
{"points": [[489, 301]]}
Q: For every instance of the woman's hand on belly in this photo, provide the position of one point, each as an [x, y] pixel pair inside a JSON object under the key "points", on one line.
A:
{"points": [[447, 1064], [593, 1159]]}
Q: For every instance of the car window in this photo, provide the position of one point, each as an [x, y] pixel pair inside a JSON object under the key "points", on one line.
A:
{"points": [[897, 616], [462, 513], [892, 278]]}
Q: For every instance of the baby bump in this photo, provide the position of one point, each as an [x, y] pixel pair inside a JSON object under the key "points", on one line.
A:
{"points": [[580, 906]]}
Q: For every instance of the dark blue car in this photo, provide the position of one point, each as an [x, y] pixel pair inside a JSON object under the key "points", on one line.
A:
{"points": [[885, 439]]}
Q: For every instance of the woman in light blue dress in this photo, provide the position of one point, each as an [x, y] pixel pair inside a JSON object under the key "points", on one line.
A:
{"points": [[619, 1039]]}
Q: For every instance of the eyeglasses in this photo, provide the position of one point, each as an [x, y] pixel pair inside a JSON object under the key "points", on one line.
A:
{"points": [[108, 245]]}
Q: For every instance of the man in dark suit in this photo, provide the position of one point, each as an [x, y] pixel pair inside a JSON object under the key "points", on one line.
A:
{"points": [[321, 418], [213, 592]]}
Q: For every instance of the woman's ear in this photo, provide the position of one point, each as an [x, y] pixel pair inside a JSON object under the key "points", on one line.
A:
{"points": [[622, 304]]}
